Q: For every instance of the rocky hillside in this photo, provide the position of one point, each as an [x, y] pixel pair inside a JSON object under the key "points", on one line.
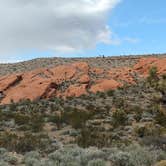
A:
{"points": [[76, 78], [81, 114]]}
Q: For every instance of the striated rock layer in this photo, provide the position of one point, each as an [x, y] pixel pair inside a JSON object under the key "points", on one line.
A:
{"points": [[72, 80]]}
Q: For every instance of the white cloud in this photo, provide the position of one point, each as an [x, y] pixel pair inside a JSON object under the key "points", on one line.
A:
{"points": [[53, 25]]}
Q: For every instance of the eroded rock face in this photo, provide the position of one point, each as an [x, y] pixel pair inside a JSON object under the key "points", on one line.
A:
{"points": [[124, 74], [144, 64], [84, 79], [104, 85], [72, 80], [76, 90]]}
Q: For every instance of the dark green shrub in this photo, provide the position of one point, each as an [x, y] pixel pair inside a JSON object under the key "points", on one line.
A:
{"points": [[91, 137], [25, 143], [21, 119], [137, 112], [75, 117], [119, 117], [160, 117], [37, 123], [101, 94], [57, 119], [110, 92], [153, 77], [118, 102]]}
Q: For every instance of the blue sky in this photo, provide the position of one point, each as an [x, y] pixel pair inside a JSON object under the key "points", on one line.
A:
{"points": [[135, 26], [140, 27]]}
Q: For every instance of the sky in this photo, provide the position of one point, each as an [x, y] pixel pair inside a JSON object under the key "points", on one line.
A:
{"points": [[80, 28]]}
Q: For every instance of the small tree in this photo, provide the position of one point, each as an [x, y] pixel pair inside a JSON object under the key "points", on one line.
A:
{"points": [[119, 117], [153, 76]]}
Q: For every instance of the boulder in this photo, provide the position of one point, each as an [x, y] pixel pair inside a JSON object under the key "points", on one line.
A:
{"points": [[104, 85], [84, 79]]}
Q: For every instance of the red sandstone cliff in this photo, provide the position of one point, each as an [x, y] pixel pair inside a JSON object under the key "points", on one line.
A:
{"points": [[72, 80]]}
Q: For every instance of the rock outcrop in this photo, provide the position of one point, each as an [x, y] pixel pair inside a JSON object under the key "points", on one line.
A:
{"points": [[72, 79], [144, 64], [104, 85]]}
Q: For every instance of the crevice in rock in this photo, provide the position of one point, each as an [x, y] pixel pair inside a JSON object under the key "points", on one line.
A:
{"points": [[52, 87], [14, 83]]}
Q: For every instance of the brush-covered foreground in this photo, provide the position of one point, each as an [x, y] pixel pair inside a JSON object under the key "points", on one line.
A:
{"points": [[122, 127]]}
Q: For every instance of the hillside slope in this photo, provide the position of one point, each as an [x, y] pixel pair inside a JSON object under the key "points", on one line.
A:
{"points": [[75, 79], [123, 124]]}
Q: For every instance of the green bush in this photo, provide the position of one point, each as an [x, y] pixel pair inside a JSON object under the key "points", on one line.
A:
{"points": [[160, 117], [91, 137], [26, 143], [76, 117], [119, 117], [57, 119], [136, 155], [148, 129], [110, 92], [97, 162], [21, 119], [37, 123], [153, 78]]}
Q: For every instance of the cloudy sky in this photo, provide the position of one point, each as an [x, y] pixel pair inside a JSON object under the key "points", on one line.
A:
{"points": [[40, 28]]}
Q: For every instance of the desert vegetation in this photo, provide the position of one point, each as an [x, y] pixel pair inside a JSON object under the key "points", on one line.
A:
{"points": [[121, 127]]}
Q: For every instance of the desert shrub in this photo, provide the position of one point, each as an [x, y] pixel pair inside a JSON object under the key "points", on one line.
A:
{"points": [[85, 138], [97, 162], [137, 112], [57, 119], [21, 119], [110, 92], [32, 162], [11, 159], [144, 156], [148, 129], [162, 84], [153, 78], [164, 76], [101, 94], [25, 143], [6, 115], [160, 117], [32, 154], [118, 102], [161, 87], [76, 117], [3, 163], [120, 158], [13, 106], [2, 152], [32, 159], [158, 142], [75, 156], [67, 156], [119, 117], [136, 155], [37, 123], [91, 137]]}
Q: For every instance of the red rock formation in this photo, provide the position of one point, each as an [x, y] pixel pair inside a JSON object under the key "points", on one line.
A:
{"points": [[97, 71], [122, 74], [8, 81], [144, 64], [82, 66], [76, 90], [72, 80], [104, 85], [84, 79]]}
